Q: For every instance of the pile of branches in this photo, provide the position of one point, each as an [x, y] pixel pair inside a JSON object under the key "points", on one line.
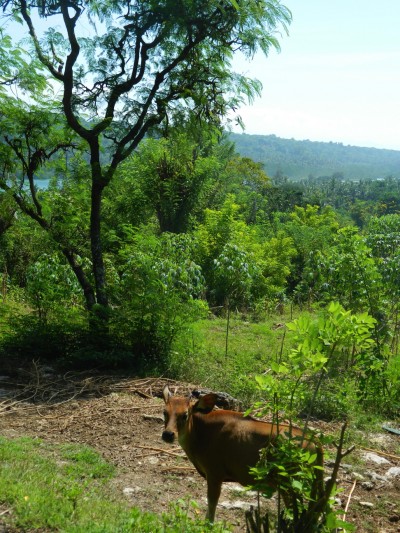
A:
{"points": [[43, 385]]}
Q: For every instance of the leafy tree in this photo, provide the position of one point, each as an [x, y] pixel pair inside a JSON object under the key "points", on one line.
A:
{"points": [[250, 185], [34, 136], [335, 341], [350, 273], [141, 65], [383, 237], [222, 229], [159, 291], [171, 175], [7, 212], [20, 246], [238, 262], [311, 228], [360, 211], [51, 286], [16, 68]]}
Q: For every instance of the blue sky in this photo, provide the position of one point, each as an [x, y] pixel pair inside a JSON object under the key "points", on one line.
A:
{"points": [[337, 77]]}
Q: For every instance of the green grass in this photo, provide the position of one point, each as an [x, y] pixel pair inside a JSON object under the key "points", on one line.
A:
{"points": [[200, 353], [200, 357], [65, 488]]}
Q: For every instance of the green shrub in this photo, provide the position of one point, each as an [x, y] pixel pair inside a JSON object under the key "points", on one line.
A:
{"points": [[158, 295], [28, 337]]}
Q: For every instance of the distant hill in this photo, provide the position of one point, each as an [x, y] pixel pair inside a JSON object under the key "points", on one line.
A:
{"points": [[299, 159]]}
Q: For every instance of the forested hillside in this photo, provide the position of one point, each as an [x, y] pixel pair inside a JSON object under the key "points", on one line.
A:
{"points": [[300, 159]]}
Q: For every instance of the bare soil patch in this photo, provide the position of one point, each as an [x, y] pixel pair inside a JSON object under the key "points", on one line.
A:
{"points": [[122, 419]]}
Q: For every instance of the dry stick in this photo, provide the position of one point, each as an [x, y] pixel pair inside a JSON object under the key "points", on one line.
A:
{"points": [[144, 455], [396, 457], [133, 408], [54, 405], [155, 418], [7, 406], [348, 500], [142, 394], [160, 450]]}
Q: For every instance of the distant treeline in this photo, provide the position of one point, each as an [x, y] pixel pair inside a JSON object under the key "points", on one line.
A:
{"points": [[301, 159]]}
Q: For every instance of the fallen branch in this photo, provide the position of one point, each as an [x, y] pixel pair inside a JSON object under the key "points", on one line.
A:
{"points": [[9, 406], [131, 408], [160, 450]]}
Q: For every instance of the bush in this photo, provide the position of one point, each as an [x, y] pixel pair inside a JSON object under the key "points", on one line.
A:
{"points": [[68, 343], [28, 337], [159, 294]]}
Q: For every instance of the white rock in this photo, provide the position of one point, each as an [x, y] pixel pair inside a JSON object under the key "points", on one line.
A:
{"points": [[379, 438], [129, 491], [367, 504], [376, 459], [368, 485], [151, 460], [345, 466], [238, 489], [237, 504], [234, 487], [393, 472], [375, 477]]}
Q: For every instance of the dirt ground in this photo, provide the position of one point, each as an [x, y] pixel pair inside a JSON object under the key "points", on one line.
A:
{"points": [[122, 419]]}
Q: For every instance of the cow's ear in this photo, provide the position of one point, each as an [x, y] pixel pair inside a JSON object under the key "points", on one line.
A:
{"points": [[206, 403], [167, 394]]}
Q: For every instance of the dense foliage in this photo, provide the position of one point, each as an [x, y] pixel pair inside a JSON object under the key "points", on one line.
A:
{"points": [[150, 221]]}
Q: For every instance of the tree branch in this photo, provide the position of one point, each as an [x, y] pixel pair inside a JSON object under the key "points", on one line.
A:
{"points": [[42, 57]]}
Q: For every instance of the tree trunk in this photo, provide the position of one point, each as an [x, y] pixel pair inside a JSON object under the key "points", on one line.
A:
{"points": [[88, 292], [95, 240]]}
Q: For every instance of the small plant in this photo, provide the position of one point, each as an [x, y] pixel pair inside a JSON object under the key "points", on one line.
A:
{"points": [[299, 475], [298, 469], [178, 520], [233, 276]]}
